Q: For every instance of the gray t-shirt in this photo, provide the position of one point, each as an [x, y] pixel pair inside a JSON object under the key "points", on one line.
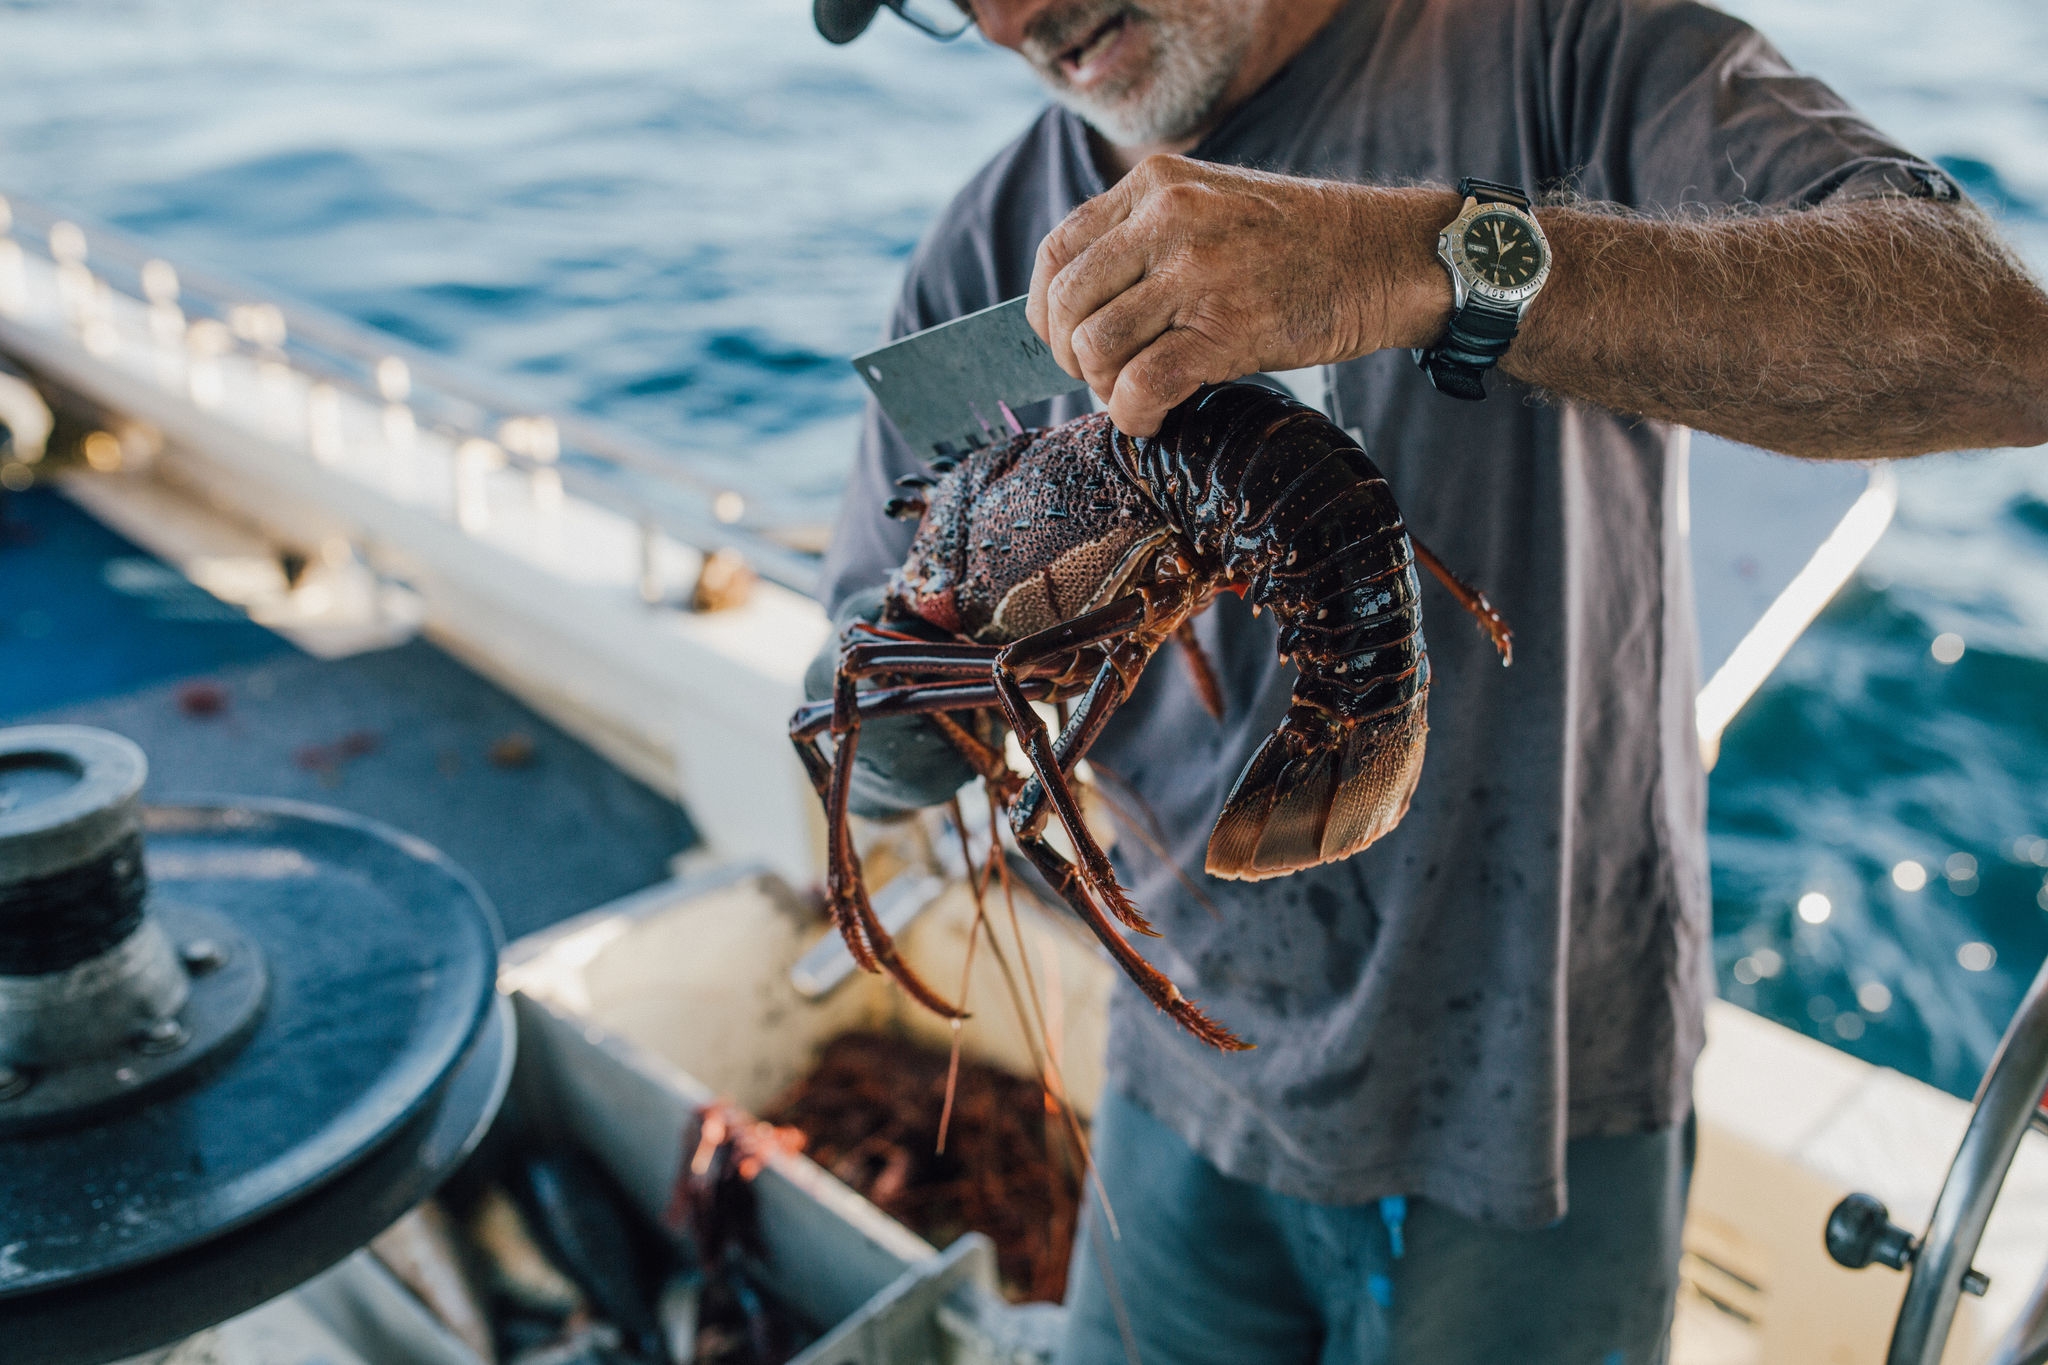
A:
{"points": [[1524, 959]]}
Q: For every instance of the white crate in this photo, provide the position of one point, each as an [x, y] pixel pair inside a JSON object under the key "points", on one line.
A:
{"points": [[634, 1017]]}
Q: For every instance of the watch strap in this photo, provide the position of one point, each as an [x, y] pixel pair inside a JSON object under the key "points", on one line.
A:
{"points": [[1492, 192], [1479, 335], [1480, 332]]}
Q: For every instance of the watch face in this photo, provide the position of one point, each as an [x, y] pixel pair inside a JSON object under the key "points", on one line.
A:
{"points": [[1500, 249]]}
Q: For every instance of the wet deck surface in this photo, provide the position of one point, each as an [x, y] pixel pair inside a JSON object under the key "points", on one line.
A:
{"points": [[95, 631], [84, 613]]}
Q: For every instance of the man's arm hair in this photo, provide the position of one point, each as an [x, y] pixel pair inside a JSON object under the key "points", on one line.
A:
{"points": [[1869, 327], [1857, 328]]}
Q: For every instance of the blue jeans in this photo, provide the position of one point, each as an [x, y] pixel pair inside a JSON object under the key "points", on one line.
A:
{"points": [[1211, 1269]]}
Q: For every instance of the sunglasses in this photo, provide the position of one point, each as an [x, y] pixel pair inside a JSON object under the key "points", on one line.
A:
{"points": [[942, 19]]}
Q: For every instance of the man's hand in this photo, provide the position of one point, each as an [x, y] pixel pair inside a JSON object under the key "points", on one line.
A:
{"points": [[904, 763], [1187, 274]]}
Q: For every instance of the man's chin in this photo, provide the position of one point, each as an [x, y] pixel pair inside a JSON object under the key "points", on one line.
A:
{"points": [[1168, 95], [1133, 121]]}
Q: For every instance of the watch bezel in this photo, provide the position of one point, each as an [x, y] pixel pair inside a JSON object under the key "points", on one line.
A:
{"points": [[1451, 247]]}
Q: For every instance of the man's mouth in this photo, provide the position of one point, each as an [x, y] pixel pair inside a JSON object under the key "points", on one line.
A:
{"points": [[1079, 63]]}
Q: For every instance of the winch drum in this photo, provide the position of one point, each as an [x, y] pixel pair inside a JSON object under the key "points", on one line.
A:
{"points": [[237, 1039]]}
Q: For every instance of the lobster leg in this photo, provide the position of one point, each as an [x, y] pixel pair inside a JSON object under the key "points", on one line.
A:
{"points": [[829, 777], [934, 699], [871, 655], [816, 765], [1027, 824], [1045, 653], [846, 890], [1471, 599], [1200, 671], [814, 719], [987, 760], [1045, 763], [853, 914], [871, 650], [1028, 817], [866, 658], [1121, 617], [869, 630], [1067, 880], [1098, 704], [1103, 697]]}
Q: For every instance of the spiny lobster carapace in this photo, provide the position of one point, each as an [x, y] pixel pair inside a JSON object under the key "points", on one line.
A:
{"points": [[1054, 566]]}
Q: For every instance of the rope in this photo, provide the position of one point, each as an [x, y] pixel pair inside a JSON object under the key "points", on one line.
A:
{"points": [[48, 924]]}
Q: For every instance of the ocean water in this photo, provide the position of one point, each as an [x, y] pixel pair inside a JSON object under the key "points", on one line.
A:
{"points": [[1909, 792], [680, 215], [683, 215]]}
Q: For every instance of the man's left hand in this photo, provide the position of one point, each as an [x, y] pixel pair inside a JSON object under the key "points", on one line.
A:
{"points": [[1186, 273]]}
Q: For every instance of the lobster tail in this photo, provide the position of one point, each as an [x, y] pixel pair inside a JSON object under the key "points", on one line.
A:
{"points": [[1319, 789], [1287, 507]]}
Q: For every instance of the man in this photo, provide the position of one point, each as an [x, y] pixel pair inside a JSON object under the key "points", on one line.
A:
{"points": [[1463, 1134]]}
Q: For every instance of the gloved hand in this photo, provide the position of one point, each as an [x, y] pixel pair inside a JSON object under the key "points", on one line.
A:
{"points": [[904, 763]]}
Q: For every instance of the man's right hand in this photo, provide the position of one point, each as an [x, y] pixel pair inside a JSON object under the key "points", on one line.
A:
{"points": [[903, 763], [1186, 273]]}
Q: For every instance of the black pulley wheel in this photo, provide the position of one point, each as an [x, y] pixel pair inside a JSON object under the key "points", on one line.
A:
{"points": [[377, 1061]]}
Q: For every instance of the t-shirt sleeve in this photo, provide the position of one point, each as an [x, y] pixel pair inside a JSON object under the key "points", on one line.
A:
{"points": [[1664, 104]]}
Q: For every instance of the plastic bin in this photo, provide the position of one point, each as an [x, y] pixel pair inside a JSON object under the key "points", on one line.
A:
{"points": [[635, 1016]]}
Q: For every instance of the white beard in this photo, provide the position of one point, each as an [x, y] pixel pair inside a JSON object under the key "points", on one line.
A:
{"points": [[1194, 54]]}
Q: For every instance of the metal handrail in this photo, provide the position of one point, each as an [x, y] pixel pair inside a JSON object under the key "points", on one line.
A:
{"points": [[604, 463], [2026, 1342], [2005, 1107], [1939, 1260]]}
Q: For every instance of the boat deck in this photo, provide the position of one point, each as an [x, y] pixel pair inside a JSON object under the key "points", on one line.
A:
{"points": [[94, 630]]}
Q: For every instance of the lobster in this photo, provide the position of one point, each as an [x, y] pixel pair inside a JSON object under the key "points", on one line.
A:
{"points": [[1054, 566]]}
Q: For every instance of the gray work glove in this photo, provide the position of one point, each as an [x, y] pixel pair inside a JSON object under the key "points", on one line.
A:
{"points": [[904, 763]]}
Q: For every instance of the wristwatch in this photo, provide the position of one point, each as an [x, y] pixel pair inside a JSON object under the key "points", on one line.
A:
{"points": [[1499, 260]]}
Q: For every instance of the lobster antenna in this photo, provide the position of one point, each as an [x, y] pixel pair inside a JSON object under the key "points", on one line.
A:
{"points": [[978, 884], [1049, 1079], [995, 945], [1129, 1337], [1149, 838], [1056, 1087], [1116, 1301]]}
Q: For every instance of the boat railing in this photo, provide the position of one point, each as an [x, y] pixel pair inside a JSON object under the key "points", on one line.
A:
{"points": [[1860, 1230], [312, 376]]}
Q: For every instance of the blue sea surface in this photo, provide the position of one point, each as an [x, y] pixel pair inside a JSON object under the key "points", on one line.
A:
{"points": [[683, 215], [1909, 792]]}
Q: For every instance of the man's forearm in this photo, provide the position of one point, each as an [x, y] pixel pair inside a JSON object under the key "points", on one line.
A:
{"points": [[1874, 327], [1871, 327]]}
